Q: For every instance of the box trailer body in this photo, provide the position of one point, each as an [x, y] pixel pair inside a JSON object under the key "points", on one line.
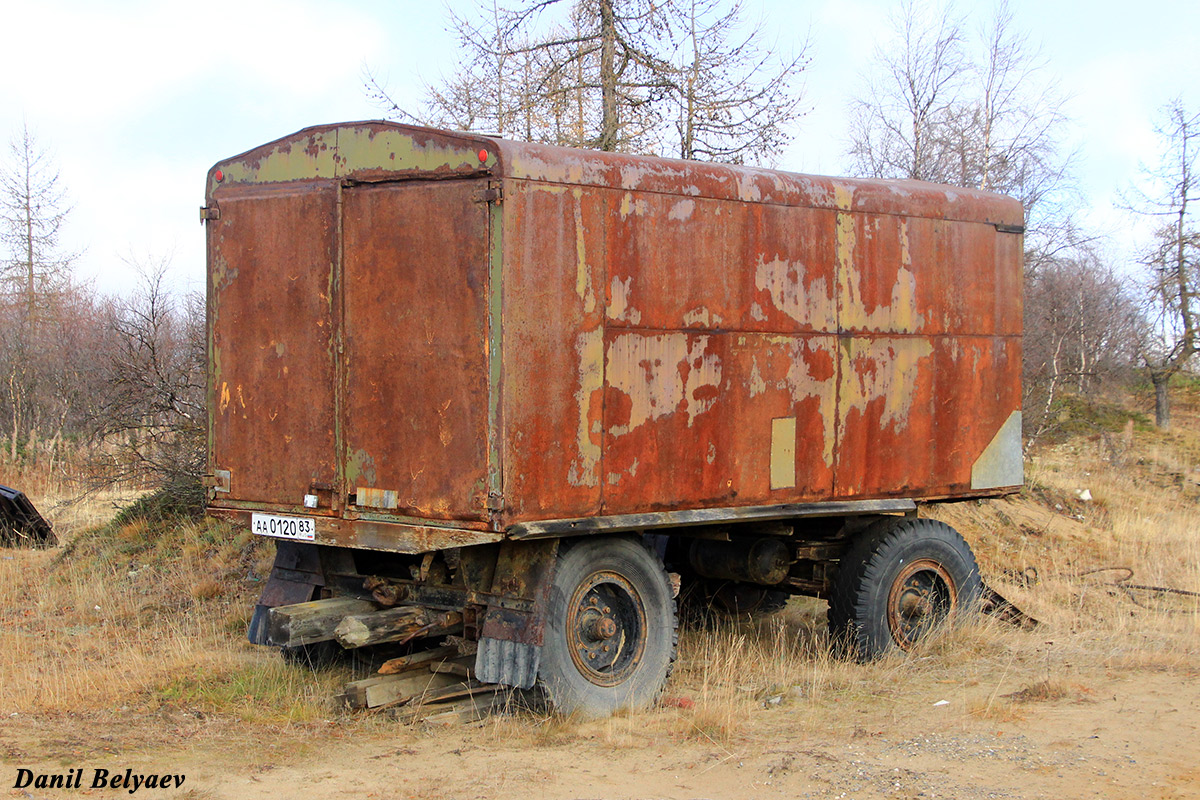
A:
{"points": [[423, 341]]}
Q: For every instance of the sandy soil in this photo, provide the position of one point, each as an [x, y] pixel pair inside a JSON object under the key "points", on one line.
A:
{"points": [[1127, 736]]}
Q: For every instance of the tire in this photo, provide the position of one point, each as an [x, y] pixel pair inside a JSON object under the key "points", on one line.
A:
{"points": [[898, 582], [611, 628]]}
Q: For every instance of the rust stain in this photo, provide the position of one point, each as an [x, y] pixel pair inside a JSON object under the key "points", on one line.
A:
{"points": [[634, 327], [584, 469], [662, 374], [805, 299]]}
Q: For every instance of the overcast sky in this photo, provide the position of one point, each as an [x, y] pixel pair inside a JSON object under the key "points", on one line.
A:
{"points": [[135, 100]]}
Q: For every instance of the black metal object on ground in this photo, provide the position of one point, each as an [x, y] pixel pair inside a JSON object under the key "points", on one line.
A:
{"points": [[20, 523], [996, 605]]}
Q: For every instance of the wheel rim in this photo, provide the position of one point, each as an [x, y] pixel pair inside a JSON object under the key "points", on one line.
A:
{"points": [[606, 628], [922, 596]]}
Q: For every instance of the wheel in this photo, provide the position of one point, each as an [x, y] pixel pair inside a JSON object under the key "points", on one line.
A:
{"points": [[610, 630], [898, 582]]}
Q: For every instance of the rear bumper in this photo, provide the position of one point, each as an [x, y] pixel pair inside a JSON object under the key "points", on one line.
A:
{"points": [[365, 534]]}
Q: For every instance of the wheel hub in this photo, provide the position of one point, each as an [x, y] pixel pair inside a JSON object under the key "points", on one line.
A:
{"points": [[922, 596], [605, 627]]}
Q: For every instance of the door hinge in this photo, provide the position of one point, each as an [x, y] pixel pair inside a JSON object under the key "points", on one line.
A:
{"points": [[209, 213], [493, 194]]}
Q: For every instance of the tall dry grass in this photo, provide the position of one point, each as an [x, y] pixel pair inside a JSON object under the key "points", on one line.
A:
{"points": [[142, 617], [148, 617]]}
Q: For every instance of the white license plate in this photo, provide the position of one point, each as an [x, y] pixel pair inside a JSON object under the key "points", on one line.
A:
{"points": [[283, 527]]}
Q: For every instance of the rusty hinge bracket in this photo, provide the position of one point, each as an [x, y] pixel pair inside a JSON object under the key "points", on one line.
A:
{"points": [[493, 194], [495, 501], [209, 213], [219, 481]]}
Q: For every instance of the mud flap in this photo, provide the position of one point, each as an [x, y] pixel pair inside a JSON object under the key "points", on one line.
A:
{"points": [[508, 663], [510, 639], [296, 577]]}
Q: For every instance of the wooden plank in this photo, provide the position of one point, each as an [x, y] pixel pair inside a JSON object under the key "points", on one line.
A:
{"points": [[456, 712], [394, 625], [405, 690], [395, 666], [463, 666], [311, 622], [383, 690], [455, 690]]}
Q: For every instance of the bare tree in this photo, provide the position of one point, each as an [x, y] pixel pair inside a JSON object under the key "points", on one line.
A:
{"points": [[970, 110], [1172, 262], [150, 422], [735, 98], [35, 290], [898, 126], [1082, 321], [33, 210], [647, 76], [1007, 137]]}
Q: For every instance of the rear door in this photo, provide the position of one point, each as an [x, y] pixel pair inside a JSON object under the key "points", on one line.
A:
{"points": [[415, 363], [272, 342]]}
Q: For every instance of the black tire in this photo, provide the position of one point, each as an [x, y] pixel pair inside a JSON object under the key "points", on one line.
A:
{"points": [[898, 582], [611, 628]]}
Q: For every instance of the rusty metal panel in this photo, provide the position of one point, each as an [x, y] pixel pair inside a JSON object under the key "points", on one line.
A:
{"points": [[697, 263], [361, 151], [271, 329], [553, 349], [609, 335], [916, 412], [414, 294], [912, 275], [533, 162], [703, 419], [752, 353]]}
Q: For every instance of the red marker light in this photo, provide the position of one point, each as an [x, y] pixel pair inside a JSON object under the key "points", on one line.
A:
{"points": [[483, 156], [220, 176]]}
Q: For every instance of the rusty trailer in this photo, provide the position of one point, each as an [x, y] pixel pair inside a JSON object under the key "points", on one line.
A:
{"points": [[541, 388]]}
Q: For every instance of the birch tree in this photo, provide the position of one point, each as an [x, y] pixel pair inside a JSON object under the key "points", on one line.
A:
{"points": [[736, 97], [975, 109], [1168, 193]]}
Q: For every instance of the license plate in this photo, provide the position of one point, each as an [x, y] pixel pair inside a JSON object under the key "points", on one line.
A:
{"points": [[283, 527]]}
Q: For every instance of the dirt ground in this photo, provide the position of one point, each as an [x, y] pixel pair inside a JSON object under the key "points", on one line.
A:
{"points": [[1128, 736]]}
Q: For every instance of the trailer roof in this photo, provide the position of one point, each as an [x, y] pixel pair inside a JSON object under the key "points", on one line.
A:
{"points": [[375, 151]]}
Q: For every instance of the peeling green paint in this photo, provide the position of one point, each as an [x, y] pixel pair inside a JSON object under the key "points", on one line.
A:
{"points": [[495, 332], [343, 151], [360, 468]]}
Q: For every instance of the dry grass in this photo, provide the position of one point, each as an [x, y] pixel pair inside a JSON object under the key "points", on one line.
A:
{"points": [[137, 618], [151, 618]]}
